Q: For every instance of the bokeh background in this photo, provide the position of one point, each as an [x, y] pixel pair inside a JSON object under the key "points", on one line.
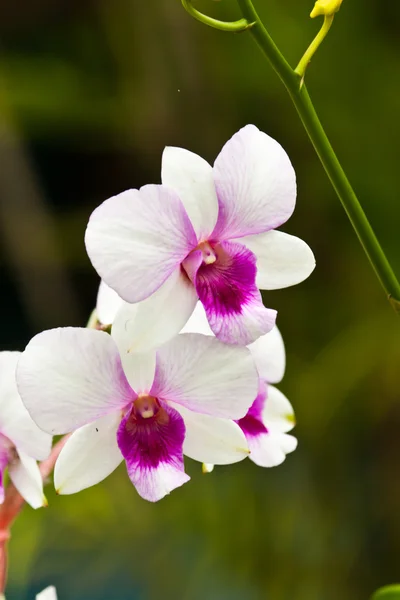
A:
{"points": [[90, 93]]}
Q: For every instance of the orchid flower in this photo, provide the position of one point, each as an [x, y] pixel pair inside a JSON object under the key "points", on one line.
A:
{"points": [[145, 408], [21, 440], [211, 228], [270, 417]]}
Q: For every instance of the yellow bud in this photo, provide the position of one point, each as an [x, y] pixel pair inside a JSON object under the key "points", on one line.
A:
{"points": [[326, 8], [206, 468]]}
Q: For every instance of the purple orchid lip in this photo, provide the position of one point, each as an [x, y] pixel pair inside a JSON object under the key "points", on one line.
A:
{"points": [[225, 285], [224, 275], [150, 438], [252, 424]]}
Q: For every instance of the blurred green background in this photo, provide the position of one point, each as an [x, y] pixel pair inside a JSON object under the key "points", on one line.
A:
{"points": [[90, 93]]}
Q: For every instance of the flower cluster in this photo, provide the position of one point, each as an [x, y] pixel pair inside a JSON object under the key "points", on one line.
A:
{"points": [[183, 352]]}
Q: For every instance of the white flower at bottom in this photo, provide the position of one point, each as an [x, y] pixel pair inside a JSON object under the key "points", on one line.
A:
{"points": [[21, 440], [270, 417], [48, 594], [148, 408]]}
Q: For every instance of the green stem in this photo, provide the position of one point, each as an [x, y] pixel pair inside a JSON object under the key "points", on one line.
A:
{"points": [[301, 99], [313, 47], [233, 26]]}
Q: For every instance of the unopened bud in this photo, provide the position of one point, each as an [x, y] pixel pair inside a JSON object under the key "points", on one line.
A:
{"points": [[207, 468], [327, 8]]}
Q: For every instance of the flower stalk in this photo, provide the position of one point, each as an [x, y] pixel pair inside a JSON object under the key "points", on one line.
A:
{"points": [[12, 506], [313, 47], [230, 27], [293, 81]]}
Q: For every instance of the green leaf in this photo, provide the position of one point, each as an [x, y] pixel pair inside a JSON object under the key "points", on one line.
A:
{"points": [[389, 592]]}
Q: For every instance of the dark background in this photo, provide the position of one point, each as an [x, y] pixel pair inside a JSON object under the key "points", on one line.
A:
{"points": [[90, 93]]}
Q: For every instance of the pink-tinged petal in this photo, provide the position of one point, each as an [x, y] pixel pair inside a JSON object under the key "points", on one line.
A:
{"points": [[255, 183], [270, 449], [282, 259], [269, 355], [268, 351], [277, 413], [48, 594], [15, 422], [206, 376], [139, 368], [155, 484], [137, 239], [212, 440], [25, 475], [71, 376], [264, 430], [244, 328], [152, 448], [107, 305], [192, 178], [90, 455], [228, 292], [149, 324], [251, 424]]}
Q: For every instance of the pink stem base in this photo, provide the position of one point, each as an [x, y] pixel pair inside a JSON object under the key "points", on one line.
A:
{"points": [[12, 505]]}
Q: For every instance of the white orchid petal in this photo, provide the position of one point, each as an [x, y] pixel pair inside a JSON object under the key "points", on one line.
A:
{"points": [[255, 183], [25, 475], [269, 355], [206, 376], [278, 414], [89, 456], [270, 449], [192, 178], [268, 351], [139, 369], [282, 259], [212, 440], [137, 239], [71, 376], [48, 594], [198, 322], [107, 305], [153, 484], [149, 324], [15, 422]]}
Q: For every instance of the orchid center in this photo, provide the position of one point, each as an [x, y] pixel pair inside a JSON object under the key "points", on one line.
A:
{"points": [[146, 406], [203, 255], [208, 253]]}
